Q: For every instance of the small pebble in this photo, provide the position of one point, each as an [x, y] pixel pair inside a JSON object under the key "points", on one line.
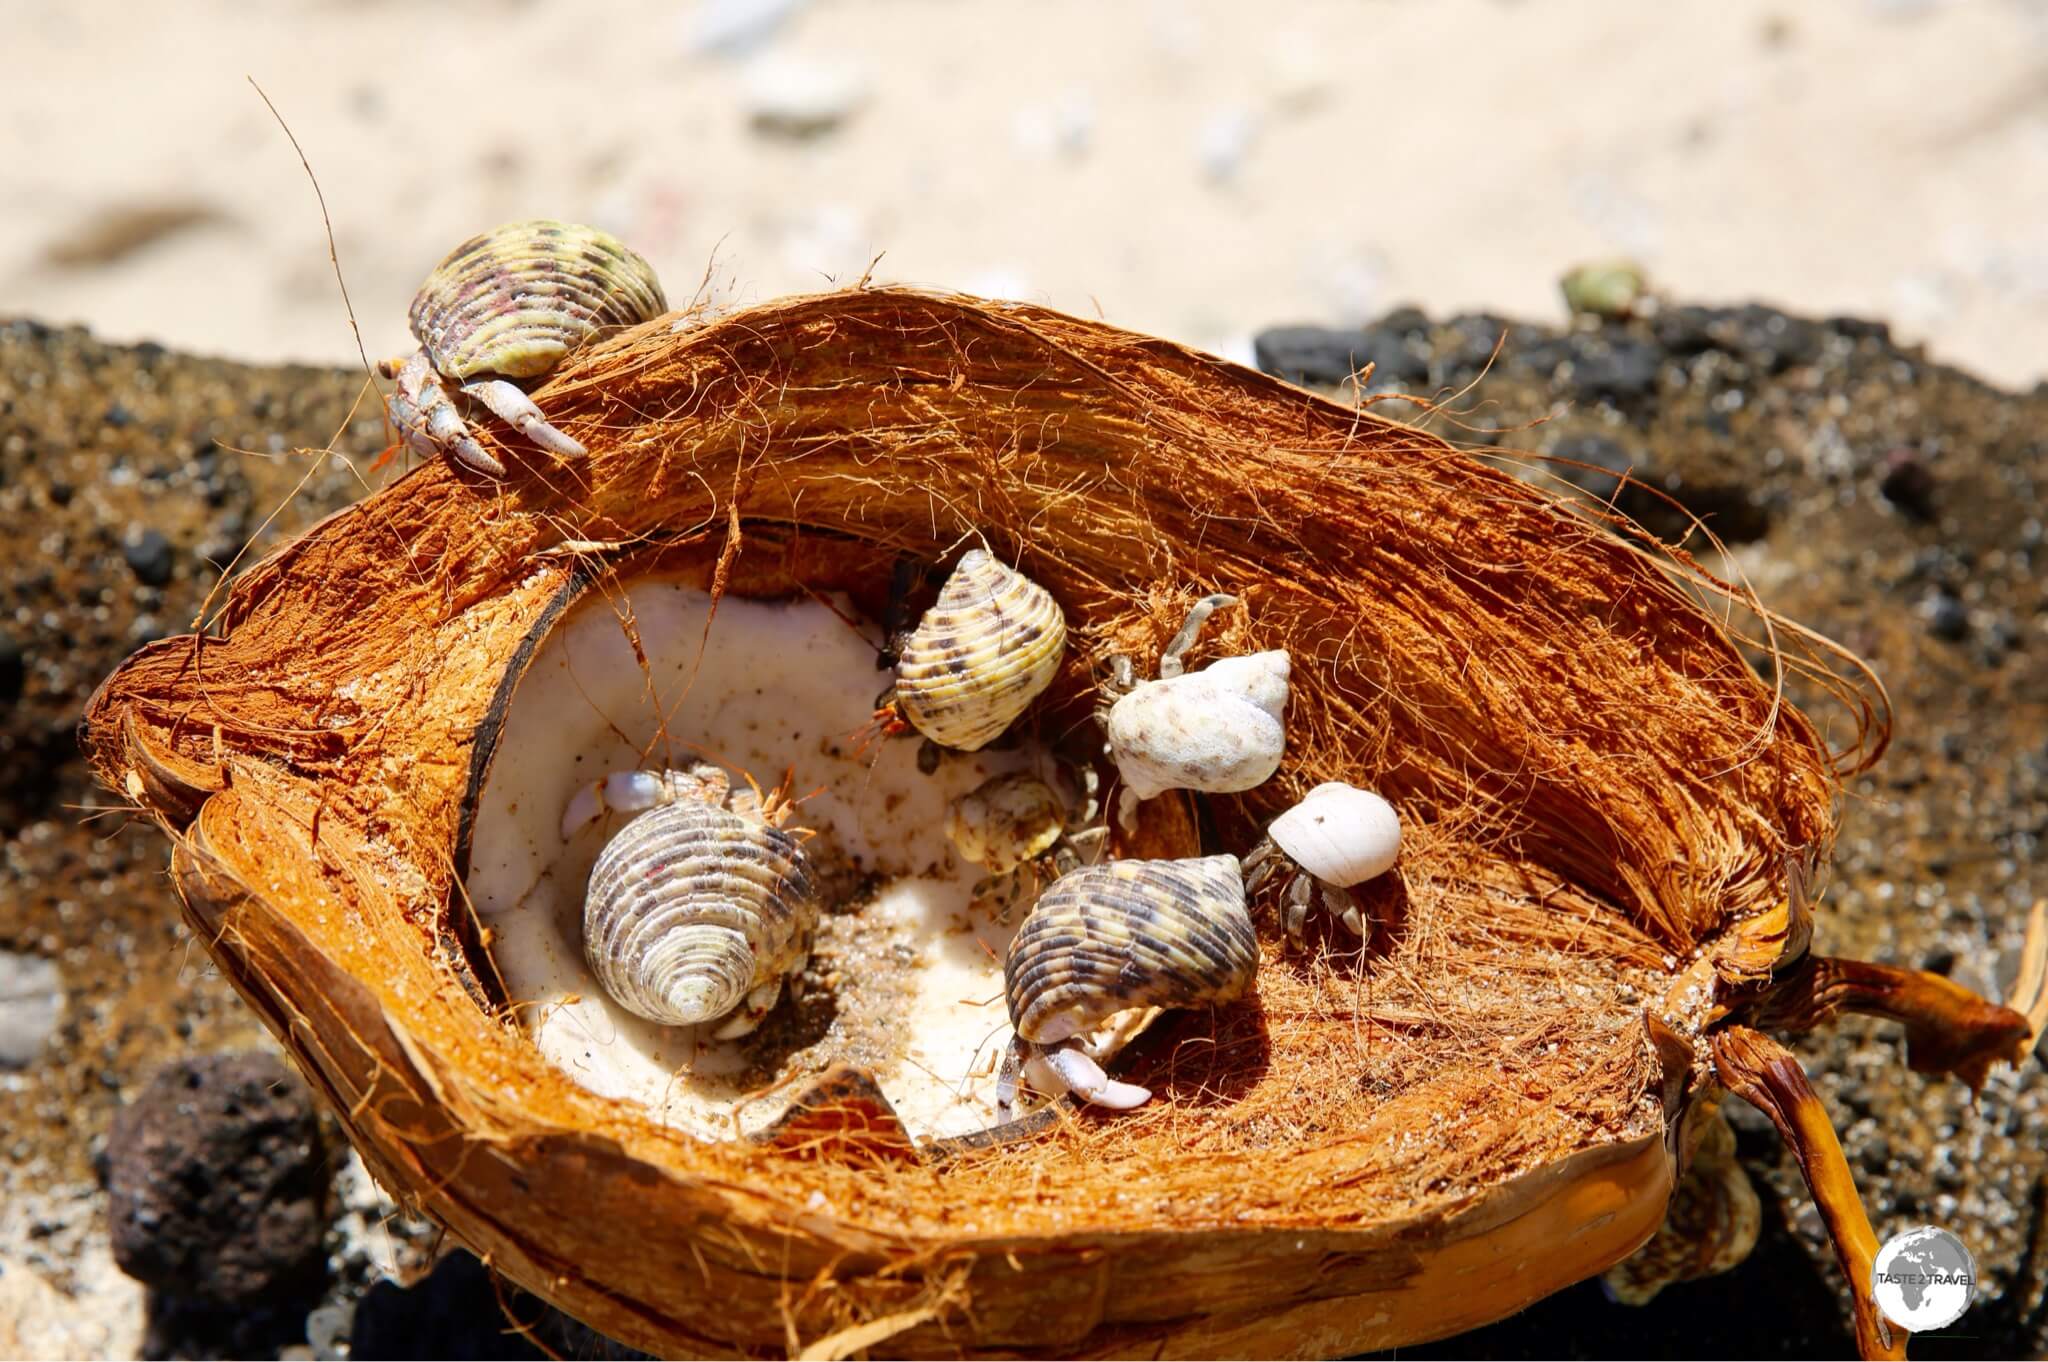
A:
{"points": [[31, 1005], [13, 668], [149, 556], [1946, 618]]}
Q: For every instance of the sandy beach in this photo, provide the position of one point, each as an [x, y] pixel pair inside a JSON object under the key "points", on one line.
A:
{"points": [[1199, 171]]}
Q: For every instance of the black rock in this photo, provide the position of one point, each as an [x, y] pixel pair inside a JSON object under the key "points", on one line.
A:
{"points": [[1310, 355], [1773, 341], [1860, 328], [1908, 484], [1320, 356], [217, 1181], [1612, 366], [1404, 322], [1758, 335], [149, 556], [457, 1311], [1597, 463], [13, 668], [117, 415], [1946, 617], [61, 493], [178, 1327], [1688, 330], [1470, 340]]}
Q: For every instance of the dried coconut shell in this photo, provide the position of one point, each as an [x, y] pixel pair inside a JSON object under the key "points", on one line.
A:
{"points": [[1600, 794]]}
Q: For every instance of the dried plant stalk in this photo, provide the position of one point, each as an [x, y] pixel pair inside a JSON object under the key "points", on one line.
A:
{"points": [[1603, 801]]}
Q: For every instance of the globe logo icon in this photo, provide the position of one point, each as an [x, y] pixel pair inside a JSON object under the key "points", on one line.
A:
{"points": [[1923, 1279]]}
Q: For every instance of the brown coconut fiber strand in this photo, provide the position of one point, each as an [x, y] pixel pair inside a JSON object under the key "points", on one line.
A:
{"points": [[1601, 798]]}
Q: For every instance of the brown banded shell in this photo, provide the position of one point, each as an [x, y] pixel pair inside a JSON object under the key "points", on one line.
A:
{"points": [[691, 907], [516, 299], [1127, 934], [980, 655]]}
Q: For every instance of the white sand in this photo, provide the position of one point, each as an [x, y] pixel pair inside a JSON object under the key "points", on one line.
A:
{"points": [[1194, 170]]}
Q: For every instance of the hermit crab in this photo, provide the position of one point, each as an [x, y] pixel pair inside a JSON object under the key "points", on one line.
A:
{"points": [[701, 905], [1336, 837], [510, 304], [1019, 828], [979, 657], [1222, 729], [1109, 944], [364, 789]]}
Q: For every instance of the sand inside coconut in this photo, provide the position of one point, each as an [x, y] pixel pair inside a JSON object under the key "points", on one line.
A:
{"points": [[906, 973]]}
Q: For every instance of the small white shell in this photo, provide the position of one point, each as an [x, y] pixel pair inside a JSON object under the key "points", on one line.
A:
{"points": [[1221, 729], [980, 655], [1005, 821], [1340, 834]]}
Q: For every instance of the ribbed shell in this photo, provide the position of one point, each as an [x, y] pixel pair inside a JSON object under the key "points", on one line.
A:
{"points": [[980, 655], [515, 300], [1127, 934], [691, 906], [1005, 821]]}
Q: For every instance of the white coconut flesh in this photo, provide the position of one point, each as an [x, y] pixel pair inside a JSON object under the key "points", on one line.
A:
{"points": [[906, 979]]}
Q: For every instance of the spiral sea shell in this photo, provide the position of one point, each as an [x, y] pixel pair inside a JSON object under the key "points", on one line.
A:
{"points": [[516, 299], [1005, 821], [692, 907], [1221, 729], [980, 655], [1127, 934], [1340, 834]]}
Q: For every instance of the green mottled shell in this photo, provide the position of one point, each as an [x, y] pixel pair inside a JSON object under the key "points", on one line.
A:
{"points": [[515, 300], [691, 907], [1128, 934], [980, 655]]}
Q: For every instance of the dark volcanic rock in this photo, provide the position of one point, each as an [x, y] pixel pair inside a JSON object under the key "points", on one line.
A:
{"points": [[458, 1311], [1327, 356], [217, 1182], [149, 556], [1612, 366]]}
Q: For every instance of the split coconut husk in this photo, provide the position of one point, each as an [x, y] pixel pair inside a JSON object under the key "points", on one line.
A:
{"points": [[1609, 820]]}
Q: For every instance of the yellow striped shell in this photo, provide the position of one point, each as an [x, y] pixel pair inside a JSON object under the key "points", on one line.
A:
{"points": [[691, 907], [516, 299], [1006, 820], [980, 655], [1127, 934]]}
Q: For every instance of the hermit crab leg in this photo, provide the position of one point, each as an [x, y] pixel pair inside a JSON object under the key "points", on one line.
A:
{"points": [[423, 410], [1340, 905], [515, 408], [1170, 664], [626, 792]]}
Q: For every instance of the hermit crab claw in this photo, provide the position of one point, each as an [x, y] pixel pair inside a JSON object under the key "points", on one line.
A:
{"points": [[511, 304], [1066, 1069]]}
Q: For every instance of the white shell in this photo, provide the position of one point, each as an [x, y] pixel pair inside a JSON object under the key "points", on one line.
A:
{"points": [[1221, 729], [1340, 834]]}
